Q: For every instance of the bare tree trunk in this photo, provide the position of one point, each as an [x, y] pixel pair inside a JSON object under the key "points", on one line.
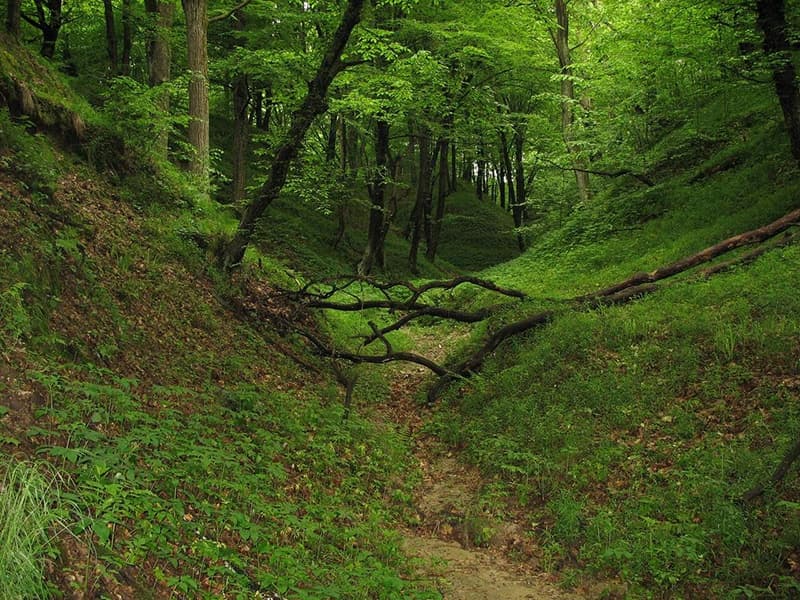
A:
{"points": [[433, 247], [506, 157], [777, 47], [241, 126], [196, 12], [313, 105], [341, 207], [561, 39], [422, 200], [453, 167], [13, 17], [111, 36], [501, 184], [127, 37], [159, 61], [377, 193], [519, 206]]}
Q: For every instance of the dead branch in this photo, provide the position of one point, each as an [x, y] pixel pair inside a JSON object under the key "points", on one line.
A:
{"points": [[748, 257], [744, 239], [431, 311], [415, 292], [620, 293], [390, 356], [613, 174], [780, 472], [473, 364]]}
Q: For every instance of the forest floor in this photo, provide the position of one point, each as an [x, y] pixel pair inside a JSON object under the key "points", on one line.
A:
{"points": [[470, 552]]}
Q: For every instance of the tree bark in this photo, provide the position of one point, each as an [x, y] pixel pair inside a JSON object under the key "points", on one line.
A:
{"points": [[777, 47], [377, 193], [509, 170], [422, 199], [341, 207], [241, 126], [518, 209], [436, 233], [111, 36], [561, 40], [13, 17], [127, 38], [159, 62], [313, 105], [196, 12], [501, 184]]}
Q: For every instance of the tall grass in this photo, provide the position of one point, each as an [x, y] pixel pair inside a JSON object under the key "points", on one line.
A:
{"points": [[27, 515]]}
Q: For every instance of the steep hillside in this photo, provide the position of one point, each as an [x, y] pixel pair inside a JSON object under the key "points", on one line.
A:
{"points": [[627, 436], [128, 378]]}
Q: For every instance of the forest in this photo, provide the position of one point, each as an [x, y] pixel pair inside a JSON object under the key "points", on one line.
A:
{"points": [[399, 299]]}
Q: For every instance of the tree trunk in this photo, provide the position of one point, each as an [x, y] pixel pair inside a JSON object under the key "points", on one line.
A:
{"points": [[561, 39], [519, 205], [313, 105], [506, 157], [422, 200], [111, 36], [330, 147], [377, 193], [196, 12], [341, 207], [241, 126], [479, 180], [159, 61], [127, 38], [433, 246], [241, 137], [777, 47], [13, 12], [501, 184], [453, 167]]}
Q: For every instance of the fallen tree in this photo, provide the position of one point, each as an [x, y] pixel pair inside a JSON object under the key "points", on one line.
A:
{"points": [[408, 298], [634, 287]]}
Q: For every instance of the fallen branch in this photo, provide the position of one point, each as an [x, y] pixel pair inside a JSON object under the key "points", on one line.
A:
{"points": [[431, 311], [744, 239], [390, 356], [748, 257], [619, 173], [472, 364], [780, 472], [386, 288]]}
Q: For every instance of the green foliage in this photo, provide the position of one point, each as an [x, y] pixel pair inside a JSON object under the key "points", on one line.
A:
{"points": [[32, 158], [28, 519], [297, 508]]}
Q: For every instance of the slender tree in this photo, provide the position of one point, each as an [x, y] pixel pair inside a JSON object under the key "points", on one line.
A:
{"points": [[312, 106], [778, 48], [561, 40]]}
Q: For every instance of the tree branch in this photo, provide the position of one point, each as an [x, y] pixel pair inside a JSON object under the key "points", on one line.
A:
{"points": [[228, 14]]}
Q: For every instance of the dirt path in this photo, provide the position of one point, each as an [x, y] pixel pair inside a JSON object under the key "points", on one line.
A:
{"points": [[464, 548]]}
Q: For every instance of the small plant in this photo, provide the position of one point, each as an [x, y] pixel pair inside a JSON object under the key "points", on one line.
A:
{"points": [[14, 317], [26, 518]]}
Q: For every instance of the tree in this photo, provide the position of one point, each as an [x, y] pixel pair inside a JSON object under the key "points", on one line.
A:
{"points": [[49, 19], [778, 48], [561, 40], [13, 16], [280, 159], [159, 58], [196, 13]]}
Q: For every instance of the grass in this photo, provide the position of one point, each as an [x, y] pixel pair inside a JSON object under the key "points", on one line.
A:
{"points": [[27, 520], [627, 435]]}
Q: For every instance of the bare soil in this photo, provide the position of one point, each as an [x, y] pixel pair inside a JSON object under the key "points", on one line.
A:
{"points": [[470, 552]]}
